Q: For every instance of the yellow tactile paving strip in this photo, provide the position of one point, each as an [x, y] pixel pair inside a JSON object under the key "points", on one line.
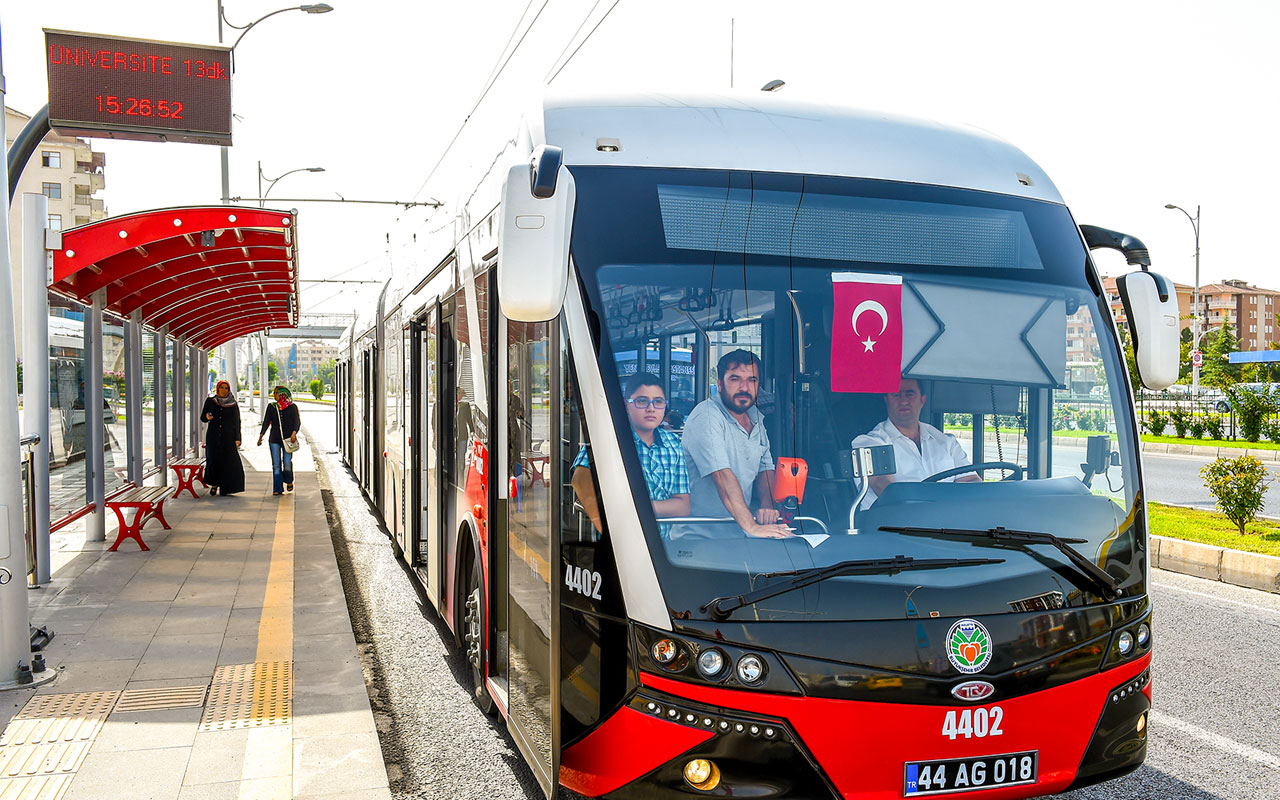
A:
{"points": [[275, 641], [249, 696], [47, 741]]}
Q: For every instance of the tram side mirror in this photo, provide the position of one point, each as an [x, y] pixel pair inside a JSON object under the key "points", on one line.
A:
{"points": [[1151, 305], [533, 239]]}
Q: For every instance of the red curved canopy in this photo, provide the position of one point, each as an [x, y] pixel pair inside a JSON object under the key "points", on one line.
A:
{"points": [[211, 273]]}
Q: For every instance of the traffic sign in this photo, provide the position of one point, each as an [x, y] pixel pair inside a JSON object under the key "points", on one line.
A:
{"points": [[1197, 358], [114, 87]]}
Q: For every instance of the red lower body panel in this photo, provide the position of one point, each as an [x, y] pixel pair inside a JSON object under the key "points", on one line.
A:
{"points": [[862, 747], [628, 745]]}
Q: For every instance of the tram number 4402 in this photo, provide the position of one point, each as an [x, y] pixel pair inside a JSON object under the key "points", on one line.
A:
{"points": [[583, 581], [973, 723]]}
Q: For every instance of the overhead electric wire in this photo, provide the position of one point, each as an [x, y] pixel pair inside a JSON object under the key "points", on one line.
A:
{"points": [[584, 40], [569, 43], [489, 85]]}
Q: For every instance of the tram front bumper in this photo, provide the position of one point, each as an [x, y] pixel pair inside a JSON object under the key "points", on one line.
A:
{"points": [[1081, 733]]}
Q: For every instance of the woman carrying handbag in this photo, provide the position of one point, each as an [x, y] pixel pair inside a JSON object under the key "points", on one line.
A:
{"points": [[283, 420]]}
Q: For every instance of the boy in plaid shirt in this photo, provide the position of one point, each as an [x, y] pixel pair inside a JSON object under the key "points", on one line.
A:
{"points": [[661, 455]]}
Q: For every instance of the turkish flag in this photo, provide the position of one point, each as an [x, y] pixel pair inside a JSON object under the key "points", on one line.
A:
{"points": [[866, 332]]}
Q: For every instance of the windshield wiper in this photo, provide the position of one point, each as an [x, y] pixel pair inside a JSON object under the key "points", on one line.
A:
{"points": [[1004, 537], [721, 607]]}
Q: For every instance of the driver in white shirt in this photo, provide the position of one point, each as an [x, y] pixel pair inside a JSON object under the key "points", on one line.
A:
{"points": [[919, 448]]}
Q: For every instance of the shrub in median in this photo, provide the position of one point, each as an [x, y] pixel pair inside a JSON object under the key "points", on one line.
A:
{"points": [[317, 389], [1155, 423], [1237, 484], [1180, 419], [1197, 427], [1213, 427], [1252, 407]]}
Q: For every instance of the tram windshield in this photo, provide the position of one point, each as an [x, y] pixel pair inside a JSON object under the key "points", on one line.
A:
{"points": [[790, 321]]}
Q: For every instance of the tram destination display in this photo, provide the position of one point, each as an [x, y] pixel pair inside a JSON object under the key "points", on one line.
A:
{"points": [[120, 88]]}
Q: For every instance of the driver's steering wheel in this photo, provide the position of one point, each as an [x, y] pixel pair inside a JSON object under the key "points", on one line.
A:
{"points": [[1002, 465]]}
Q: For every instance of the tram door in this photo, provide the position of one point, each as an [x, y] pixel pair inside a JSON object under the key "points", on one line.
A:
{"points": [[426, 459], [533, 560], [366, 422]]}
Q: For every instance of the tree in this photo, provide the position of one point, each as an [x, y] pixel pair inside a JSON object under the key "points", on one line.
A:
{"points": [[325, 372], [1218, 345], [1130, 360], [273, 372], [1184, 357], [317, 388]]}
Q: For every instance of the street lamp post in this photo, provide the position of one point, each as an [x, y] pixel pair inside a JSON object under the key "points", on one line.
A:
{"points": [[223, 156], [262, 203], [271, 182], [1195, 312]]}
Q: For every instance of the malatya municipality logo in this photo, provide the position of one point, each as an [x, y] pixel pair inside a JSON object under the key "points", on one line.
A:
{"points": [[968, 646]]}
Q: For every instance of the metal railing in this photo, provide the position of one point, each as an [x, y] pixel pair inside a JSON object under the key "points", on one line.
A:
{"points": [[29, 444]]}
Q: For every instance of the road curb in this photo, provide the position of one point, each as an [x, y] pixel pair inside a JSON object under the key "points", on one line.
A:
{"points": [[1250, 570], [1173, 448]]}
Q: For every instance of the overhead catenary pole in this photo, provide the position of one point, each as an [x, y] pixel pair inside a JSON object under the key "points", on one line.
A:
{"points": [[15, 631], [35, 365]]}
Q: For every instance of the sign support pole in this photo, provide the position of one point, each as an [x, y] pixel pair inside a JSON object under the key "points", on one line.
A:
{"points": [[15, 631]]}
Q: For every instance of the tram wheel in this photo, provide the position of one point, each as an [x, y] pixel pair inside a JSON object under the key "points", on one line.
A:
{"points": [[473, 625]]}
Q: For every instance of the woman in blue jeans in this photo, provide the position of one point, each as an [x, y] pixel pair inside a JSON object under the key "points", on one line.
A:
{"points": [[283, 420]]}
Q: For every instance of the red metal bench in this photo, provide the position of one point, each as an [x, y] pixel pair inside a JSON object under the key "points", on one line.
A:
{"points": [[188, 470], [149, 502]]}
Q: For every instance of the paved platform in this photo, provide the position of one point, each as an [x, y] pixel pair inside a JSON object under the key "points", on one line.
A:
{"points": [[221, 664]]}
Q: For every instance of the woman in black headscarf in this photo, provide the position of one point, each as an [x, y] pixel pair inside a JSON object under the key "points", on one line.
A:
{"points": [[222, 468]]}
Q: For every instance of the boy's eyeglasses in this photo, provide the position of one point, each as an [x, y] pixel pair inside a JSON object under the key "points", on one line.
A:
{"points": [[646, 402]]}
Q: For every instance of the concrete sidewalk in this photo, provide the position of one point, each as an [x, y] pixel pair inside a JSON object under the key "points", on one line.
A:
{"points": [[220, 664]]}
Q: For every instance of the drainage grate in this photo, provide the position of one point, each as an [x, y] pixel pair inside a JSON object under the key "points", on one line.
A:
{"points": [[162, 698], [249, 696]]}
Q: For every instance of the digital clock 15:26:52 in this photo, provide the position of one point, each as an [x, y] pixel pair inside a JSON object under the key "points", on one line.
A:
{"points": [[139, 107]]}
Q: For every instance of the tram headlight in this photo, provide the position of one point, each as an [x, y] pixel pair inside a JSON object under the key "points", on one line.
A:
{"points": [[1144, 635], [702, 774], [751, 669], [711, 663], [1125, 643], [664, 651], [1142, 725]]}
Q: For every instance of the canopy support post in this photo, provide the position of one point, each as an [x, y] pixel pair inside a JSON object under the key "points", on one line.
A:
{"points": [[133, 387], [263, 372], [160, 368], [179, 398], [95, 457]]}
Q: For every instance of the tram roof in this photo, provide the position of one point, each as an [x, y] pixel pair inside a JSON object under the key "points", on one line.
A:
{"points": [[210, 273], [764, 132]]}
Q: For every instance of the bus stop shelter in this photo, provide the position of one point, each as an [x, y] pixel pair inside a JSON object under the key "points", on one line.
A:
{"points": [[186, 279]]}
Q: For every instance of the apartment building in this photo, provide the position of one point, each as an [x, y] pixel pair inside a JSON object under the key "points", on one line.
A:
{"points": [[66, 170], [1250, 310], [1186, 296], [303, 359]]}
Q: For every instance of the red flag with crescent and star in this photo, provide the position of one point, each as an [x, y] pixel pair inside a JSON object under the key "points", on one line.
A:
{"points": [[866, 332]]}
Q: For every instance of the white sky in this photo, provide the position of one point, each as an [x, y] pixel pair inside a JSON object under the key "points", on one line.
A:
{"points": [[1127, 106]]}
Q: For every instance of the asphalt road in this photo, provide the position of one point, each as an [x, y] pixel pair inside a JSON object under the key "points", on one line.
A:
{"points": [[1215, 732]]}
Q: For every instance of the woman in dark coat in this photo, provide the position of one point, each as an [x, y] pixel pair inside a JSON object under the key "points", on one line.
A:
{"points": [[222, 468]]}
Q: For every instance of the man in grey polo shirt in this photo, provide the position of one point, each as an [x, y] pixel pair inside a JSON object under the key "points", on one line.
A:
{"points": [[726, 450]]}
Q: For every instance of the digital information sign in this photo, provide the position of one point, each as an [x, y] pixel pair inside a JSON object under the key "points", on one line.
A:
{"points": [[118, 88]]}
